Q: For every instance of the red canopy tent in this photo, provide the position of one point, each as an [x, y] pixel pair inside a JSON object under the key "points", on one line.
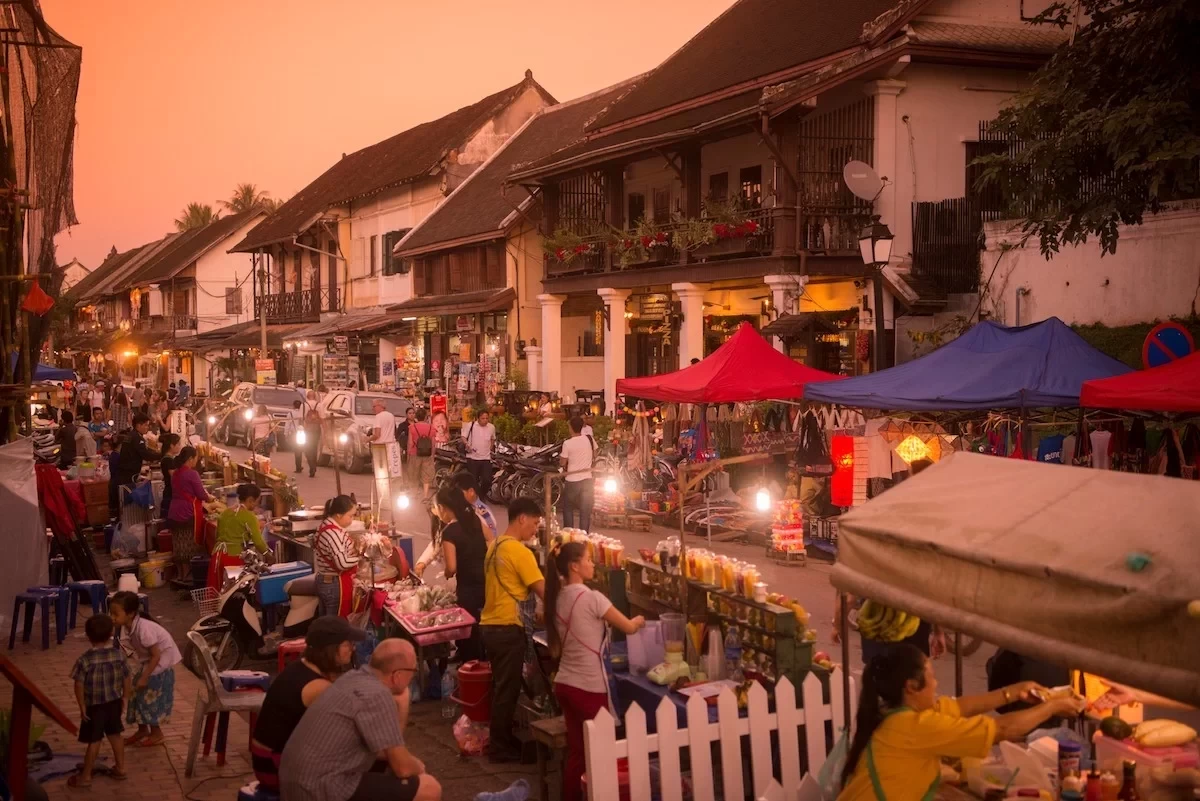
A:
{"points": [[746, 368], [1173, 387]]}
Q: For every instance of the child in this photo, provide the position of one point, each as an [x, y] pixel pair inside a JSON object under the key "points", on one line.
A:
{"points": [[154, 685], [102, 682]]}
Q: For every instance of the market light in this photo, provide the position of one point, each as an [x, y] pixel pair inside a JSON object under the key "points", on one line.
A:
{"points": [[212, 420], [610, 485], [301, 437], [762, 500], [912, 449], [342, 438], [875, 243], [248, 414], [402, 501], [408, 319]]}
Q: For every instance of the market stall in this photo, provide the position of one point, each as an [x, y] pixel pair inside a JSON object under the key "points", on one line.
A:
{"points": [[1173, 387]]}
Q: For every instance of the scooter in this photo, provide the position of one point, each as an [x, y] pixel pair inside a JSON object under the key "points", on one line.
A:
{"points": [[235, 632]]}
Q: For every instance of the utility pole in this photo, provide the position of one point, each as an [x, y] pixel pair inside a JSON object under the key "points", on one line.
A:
{"points": [[262, 306]]}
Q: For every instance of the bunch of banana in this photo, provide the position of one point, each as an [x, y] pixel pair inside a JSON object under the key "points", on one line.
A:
{"points": [[884, 624], [1163, 734]]}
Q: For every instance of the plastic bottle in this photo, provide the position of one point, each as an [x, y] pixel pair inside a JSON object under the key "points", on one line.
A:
{"points": [[449, 688], [733, 656]]}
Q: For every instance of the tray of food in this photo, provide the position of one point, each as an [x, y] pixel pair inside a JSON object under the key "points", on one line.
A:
{"points": [[440, 625]]}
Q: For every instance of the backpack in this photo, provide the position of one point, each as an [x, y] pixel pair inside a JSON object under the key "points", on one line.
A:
{"points": [[424, 441]]}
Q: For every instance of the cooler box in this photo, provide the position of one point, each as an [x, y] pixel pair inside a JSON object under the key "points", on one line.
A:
{"points": [[271, 583]]}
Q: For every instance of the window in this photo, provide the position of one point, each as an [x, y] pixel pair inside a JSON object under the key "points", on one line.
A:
{"points": [[233, 300], [718, 186], [391, 264], [662, 206], [371, 258], [992, 200], [637, 208], [751, 178]]}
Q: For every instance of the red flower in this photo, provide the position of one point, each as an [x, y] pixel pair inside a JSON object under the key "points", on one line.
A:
{"points": [[580, 249], [721, 230], [628, 243], [561, 254], [661, 236], [751, 226], [646, 240]]}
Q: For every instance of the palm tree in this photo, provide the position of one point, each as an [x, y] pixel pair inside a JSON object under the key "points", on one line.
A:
{"points": [[196, 215], [248, 196]]}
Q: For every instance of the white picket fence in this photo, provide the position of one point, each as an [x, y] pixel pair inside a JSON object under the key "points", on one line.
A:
{"points": [[603, 749]]}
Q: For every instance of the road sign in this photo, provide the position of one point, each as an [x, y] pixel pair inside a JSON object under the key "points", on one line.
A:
{"points": [[1165, 343]]}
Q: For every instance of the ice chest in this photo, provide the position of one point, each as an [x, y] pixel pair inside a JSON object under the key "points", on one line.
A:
{"points": [[271, 583]]}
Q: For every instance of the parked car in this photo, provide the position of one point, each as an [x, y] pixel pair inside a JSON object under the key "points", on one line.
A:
{"points": [[350, 412], [248, 397]]}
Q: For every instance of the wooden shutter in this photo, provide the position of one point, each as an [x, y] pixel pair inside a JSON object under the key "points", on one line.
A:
{"points": [[494, 277], [456, 272], [418, 274], [441, 275]]}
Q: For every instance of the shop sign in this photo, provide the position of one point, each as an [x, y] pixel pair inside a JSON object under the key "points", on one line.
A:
{"points": [[264, 371], [463, 323], [437, 404], [264, 364], [341, 345]]}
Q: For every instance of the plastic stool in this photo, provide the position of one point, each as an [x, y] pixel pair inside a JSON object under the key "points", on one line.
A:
{"points": [[97, 592], [30, 600], [253, 792], [58, 571], [290, 651], [61, 602]]}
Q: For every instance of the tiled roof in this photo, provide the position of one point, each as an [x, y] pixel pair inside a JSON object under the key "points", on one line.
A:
{"points": [[483, 300], [404, 157], [597, 147], [479, 205], [1031, 39], [751, 40], [83, 290], [187, 248], [108, 285]]}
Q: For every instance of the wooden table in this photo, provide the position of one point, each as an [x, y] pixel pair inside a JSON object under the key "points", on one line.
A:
{"points": [[550, 735]]}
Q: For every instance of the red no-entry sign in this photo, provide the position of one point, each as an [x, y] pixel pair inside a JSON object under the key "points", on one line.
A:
{"points": [[1165, 343]]}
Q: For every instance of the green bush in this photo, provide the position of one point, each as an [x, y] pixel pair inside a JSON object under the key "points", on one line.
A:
{"points": [[530, 434], [559, 431], [508, 428], [1124, 342], [601, 428]]}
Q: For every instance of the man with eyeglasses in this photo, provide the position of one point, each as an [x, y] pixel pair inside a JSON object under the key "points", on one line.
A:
{"points": [[349, 746]]}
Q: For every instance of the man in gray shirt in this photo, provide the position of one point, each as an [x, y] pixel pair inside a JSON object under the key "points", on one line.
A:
{"points": [[333, 753]]}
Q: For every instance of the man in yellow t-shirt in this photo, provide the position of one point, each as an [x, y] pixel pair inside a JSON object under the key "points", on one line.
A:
{"points": [[511, 578]]}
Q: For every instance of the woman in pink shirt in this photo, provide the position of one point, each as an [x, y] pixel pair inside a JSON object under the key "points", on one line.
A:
{"points": [[186, 489]]}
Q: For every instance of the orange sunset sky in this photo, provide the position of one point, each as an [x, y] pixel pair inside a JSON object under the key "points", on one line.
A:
{"points": [[180, 101]]}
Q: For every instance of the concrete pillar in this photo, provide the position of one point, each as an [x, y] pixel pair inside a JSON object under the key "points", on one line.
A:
{"points": [[614, 343], [533, 356], [783, 289], [887, 162], [691, 333], [552, 342]]}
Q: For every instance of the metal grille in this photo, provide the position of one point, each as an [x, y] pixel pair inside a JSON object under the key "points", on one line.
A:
{"points": [[581, 205], [947, 239], [832, 217]]}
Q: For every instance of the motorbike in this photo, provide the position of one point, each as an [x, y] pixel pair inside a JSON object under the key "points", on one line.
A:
{"points": [[235, 631]]}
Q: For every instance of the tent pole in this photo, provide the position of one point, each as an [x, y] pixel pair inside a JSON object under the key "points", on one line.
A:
{"points": [[683, 595], [958, 665], [844, 631]]}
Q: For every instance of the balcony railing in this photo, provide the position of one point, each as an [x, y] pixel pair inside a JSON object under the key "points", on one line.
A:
{"points": [[167, 322], [604, 258], [832, 231], [304, 306]]}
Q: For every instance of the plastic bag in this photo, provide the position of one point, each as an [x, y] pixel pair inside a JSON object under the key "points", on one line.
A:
{"points": [[142, 495], [128, 541], [830, 774], [472, 737]]}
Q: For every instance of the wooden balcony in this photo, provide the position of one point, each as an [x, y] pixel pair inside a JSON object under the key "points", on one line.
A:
{"points": [[832, 231], [304, 306], [167, 322]]}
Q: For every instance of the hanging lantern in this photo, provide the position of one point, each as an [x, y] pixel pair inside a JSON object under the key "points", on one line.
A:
{"points": [[841, 484], [912, 449]]}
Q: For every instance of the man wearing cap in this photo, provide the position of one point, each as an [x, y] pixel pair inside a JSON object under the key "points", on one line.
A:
{"points": [[328, 653], [332, 754]]}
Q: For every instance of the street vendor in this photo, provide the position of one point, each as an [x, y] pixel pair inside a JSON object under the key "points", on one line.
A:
{"points": [[903, 729], [336, 560], [187, 492], [237, 526], [464, 547]]}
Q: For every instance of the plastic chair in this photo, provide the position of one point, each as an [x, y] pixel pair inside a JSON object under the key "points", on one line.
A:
{"points": [[289, 651], [214, 698], [97, 593], [31, 600]]}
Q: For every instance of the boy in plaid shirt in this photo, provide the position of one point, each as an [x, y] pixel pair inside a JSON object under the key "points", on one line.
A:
{"points": [[102, 683]]}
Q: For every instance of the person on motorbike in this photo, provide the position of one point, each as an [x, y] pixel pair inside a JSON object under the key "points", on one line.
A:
{"points": [[237, 526]]}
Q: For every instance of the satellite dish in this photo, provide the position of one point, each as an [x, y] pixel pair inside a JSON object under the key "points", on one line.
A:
{"points": [[862, 180]]}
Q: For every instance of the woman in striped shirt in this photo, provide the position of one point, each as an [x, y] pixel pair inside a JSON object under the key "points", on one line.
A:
{"points": [[336, 560]]}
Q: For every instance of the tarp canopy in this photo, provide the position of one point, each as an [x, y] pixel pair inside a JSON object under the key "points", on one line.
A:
{"points": [[746, 368], [1173, 387], [1035, 557], [44, 372], [26, 552], [988, 367]]}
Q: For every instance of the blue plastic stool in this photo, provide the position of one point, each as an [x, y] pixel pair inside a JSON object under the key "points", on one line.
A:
{"points": [[30, 600], [97, 592], [58, 571], [61, 602], [252, 792]]}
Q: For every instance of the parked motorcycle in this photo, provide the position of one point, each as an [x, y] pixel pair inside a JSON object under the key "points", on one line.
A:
{"points": [[235, 631]]}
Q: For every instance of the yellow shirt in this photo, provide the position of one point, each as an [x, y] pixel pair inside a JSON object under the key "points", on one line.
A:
{"points": [[234, 526], [908, 747], [509, 570]]}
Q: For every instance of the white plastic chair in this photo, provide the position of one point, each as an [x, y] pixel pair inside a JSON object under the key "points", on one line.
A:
{"points": [[214, 698]]}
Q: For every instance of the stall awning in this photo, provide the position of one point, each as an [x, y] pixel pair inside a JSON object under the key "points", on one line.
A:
{"points": [[746, 368], [44, 372], [1044, 559], [790, 325], [485, 300], [1174, 387], [988, 367], [251, 336]]}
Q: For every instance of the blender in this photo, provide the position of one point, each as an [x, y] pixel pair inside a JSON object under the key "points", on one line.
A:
{"points": [[673, 628]]}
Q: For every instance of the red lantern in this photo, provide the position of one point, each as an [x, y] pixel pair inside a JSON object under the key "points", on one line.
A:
{"points": [[841, 485]]}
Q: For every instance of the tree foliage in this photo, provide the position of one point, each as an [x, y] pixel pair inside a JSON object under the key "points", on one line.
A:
{"points": [[249, 196], [196, 215], [1109, 130]]}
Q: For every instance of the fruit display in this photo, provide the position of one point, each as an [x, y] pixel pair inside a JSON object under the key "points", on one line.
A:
{"points": [[1163, 733], [884, 624]]}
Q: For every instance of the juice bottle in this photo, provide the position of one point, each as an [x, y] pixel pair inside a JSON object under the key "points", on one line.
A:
{"points": [[749, 579], [727, 573]]}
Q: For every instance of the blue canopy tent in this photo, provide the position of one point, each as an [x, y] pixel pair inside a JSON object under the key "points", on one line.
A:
{"points": [[989, 367], [44, 372]]}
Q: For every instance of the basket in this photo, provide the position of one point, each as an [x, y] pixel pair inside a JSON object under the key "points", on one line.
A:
{"points": [[205, 600]]}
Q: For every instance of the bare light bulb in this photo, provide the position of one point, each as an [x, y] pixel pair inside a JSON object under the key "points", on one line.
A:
{"points": [[762, 500]]}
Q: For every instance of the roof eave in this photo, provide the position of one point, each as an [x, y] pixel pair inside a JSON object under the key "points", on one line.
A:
{"points": [[450, 244], [243, 247]]}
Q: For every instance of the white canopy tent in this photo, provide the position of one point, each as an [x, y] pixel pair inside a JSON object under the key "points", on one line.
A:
{"points": [[23, 536], [1041, 559]]}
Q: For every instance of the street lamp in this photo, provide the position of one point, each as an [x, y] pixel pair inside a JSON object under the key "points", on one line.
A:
{"points": [[875, 245]]}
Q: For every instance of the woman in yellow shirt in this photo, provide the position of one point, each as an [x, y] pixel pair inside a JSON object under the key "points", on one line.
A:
{"points": [[903, 730]]}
